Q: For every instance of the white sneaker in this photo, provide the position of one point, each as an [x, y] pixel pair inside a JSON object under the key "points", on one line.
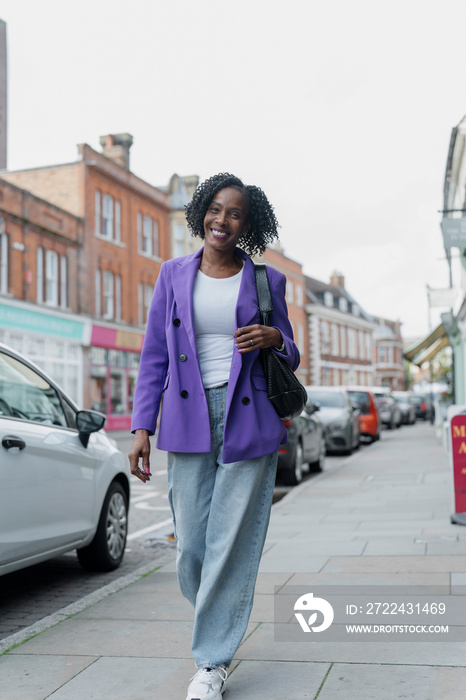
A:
{"points": [[207, 684]]}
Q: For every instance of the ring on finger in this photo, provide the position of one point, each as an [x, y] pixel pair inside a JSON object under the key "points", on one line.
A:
{"points": [[251, 341]]}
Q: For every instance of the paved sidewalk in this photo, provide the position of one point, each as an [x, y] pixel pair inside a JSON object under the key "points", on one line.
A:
{"points": [[382, 518]]}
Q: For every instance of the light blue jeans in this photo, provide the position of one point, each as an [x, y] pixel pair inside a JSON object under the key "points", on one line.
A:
{"points": [[221, 513]]}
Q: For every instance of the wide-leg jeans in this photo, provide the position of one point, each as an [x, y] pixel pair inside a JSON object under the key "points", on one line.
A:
{"points": [[221, 513]]}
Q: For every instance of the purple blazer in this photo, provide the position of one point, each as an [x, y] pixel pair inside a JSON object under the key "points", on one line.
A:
{"points": [[170, 368]]}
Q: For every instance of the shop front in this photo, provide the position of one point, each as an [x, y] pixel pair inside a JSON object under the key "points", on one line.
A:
{"points": [[53, 340], [114, 360]]}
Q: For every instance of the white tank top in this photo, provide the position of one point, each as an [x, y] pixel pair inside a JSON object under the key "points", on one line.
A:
{"points": [[214, 304]]}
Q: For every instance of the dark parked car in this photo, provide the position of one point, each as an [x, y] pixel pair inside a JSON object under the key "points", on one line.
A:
{"points": [[390, 412], [306, 445], [422, 405], [339, 416], [407, 408]]}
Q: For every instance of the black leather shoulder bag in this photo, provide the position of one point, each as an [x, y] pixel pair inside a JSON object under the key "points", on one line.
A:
{"points": [[284, 390]]}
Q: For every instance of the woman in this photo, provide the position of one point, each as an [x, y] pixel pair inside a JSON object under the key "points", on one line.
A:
{"points": [[201, 353]]}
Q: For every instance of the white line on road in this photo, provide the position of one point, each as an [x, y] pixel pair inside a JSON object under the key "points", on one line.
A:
{"points": [[152, 528]]}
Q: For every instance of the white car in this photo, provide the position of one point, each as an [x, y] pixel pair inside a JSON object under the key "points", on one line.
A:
{"points": [[64, 484]]}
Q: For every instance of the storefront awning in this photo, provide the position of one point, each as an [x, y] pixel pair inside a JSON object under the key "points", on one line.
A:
{"points": [[428, 347]]}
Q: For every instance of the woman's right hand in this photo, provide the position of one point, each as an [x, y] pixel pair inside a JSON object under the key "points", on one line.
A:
{"points": [[140, 449]]}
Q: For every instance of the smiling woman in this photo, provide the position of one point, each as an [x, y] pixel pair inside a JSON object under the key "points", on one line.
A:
{"points": [[201, 352]]}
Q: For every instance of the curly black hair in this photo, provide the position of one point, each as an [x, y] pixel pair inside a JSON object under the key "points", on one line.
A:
{"points": [[261, 217]]}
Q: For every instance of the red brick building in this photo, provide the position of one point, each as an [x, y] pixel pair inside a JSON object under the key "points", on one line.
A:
{"points": [[125, 238], [40, 246]]}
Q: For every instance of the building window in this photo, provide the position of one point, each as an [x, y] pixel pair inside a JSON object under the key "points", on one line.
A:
{"points": [[343, 304], [335, 344], [98, 293], [141, 304], [51, 278], [148, 292], [156, 237], [382, 357], [118, 221], [63, 282], [356, 310], [97, 212], [390, 354], [351, 343], [40, 275], [109, 295], [3, 259], [299, 295], [118, 298], [300, 338], [107, 216], [368, 346], [147, 235], [328, 299], [179, 240], [343, 341], [325, 338], [361, 346], [289, 292]]}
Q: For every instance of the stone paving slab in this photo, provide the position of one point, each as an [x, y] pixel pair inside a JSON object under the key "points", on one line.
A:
{"points": [[134, 604], [376, 579], [252, 680], [311, 548], [26, 677], [369, 565], [261, 645], [383, 546], [350, 682], [289, 563]]}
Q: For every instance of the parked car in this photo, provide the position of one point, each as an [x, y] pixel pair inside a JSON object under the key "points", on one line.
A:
{"points": [[422, 406], [339, 416], [390, 412], [305, 446], [63, 483], [369, 416], [407, 408]]}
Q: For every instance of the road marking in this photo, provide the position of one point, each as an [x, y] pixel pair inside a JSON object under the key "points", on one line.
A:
{"points": [[152, 528], [146, 506]]}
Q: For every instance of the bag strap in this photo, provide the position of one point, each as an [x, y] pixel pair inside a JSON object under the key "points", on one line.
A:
{"points": [[263, 294]]}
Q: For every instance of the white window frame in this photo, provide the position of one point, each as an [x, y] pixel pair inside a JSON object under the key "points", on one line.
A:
{"points": [[351, 343], [155, 232], [118, 220], [39, 275], [109, 294], [63, 281], [343, 343], [300, 338], [343, 304], [98, 292], [289, 292], [328, 299], [51, 278], [148, 293], [118, 297], [139, 228], [97, 213], [325, 335], [335, 339], [141, 304], [3, 260], [147, 241], [107, 217], [299, 295]]}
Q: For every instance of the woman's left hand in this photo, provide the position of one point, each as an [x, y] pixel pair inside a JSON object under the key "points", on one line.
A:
{"points": [[251, 338]]}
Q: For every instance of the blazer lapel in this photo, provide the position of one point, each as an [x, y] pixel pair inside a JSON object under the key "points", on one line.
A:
{"points": [[183, 284]]}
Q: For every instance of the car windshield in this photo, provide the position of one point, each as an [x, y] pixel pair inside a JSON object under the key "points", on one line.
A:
{"points": [[417, 400], [361, 398], [329, 399]]}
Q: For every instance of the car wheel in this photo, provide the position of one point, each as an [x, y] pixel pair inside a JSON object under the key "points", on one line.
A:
{"points": [[319, 464], [293, 476], [106, 550]]}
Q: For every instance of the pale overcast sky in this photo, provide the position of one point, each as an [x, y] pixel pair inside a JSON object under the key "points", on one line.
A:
{"points": [[341, 111]]}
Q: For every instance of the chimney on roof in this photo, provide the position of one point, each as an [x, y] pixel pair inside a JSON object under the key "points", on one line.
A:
{"points": [[337, 280], [116, 147]]}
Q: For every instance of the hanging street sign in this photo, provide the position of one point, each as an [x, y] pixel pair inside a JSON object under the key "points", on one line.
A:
{"points": [[454, 233]]}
